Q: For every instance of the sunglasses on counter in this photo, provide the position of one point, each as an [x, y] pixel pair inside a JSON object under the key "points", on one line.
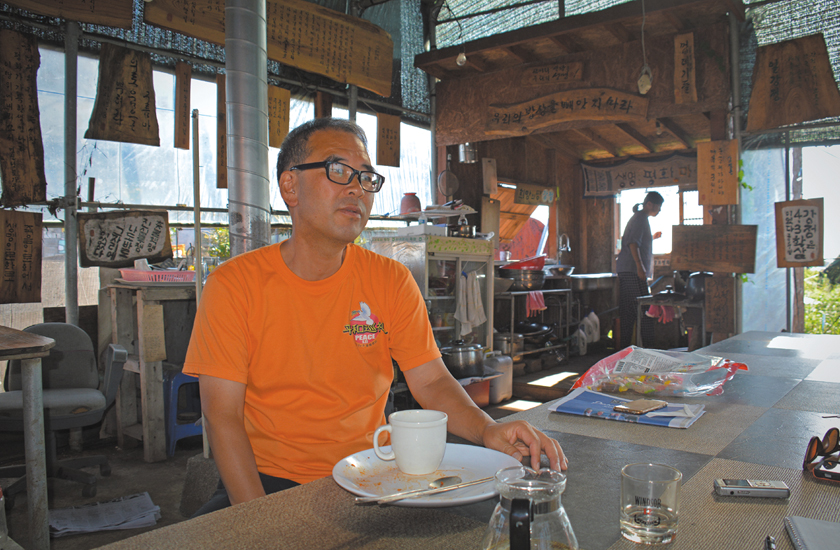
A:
{"points": [[828, 445]]}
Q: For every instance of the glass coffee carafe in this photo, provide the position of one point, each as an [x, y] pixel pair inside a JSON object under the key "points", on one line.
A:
{"points": [[529, 515]]}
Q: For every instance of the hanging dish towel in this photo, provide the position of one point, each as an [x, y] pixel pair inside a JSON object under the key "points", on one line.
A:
{"points": [[535, 303], [470, 309]]}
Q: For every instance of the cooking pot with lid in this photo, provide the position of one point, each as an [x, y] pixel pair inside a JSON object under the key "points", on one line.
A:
{"points": [[695, 288], [463, 360], [509, 344]]}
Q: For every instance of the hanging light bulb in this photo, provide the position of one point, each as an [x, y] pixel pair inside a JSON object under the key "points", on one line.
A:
{"points": [[461, 60], [658, 128]]}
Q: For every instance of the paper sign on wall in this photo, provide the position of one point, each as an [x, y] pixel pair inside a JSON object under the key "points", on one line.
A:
{"points": [[21, 148], [116, 239], [717, 172], [279, 105], [799, 233], [533, 194], [387, 140], [124, 109], [21, 246], [183, 76]]}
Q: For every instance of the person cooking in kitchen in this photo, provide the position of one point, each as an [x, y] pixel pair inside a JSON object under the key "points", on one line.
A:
{"points": [[293, 342], [635, 267]]}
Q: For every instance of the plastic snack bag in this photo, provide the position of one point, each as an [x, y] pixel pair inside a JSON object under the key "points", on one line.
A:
{"points": [[660, 373]]}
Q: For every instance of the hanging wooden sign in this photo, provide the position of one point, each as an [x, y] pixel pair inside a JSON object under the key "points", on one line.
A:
{"points": [[387, 140], [718, 248], [607, 180], [533, 194], [116, 239], [124, 109], [279, 107], [792, 83], [21, 247], [717, 172], [113, 13], [21, 148], [183, 75], [719, 302], [552, 74], [685, 82], [583, 104], [301, 34], [799, 233], [221, 133]]}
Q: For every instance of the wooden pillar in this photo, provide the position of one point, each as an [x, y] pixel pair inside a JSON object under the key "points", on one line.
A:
{"points": [[323, 105]]}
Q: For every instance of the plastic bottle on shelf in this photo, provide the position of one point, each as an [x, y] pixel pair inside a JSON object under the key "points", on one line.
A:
{"points": [[501, 387], [596, 326]]}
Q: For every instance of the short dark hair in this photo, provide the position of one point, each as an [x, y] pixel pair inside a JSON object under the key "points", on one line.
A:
{"points": [[655, 198], [295, 147]]}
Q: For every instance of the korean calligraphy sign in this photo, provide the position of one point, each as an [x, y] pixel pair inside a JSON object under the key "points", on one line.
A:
{"points": [[301, 34], [116, 239], [183, 75], [717, 248], [799, 233], [552, 74], [533, 194], [124, 109], [387, 140], [717, 172], [719, 303], [685, 85], [279, 106], [607, 180], [793, 82], [21, 148], [113, 13], [21, 282], [582, 104]]}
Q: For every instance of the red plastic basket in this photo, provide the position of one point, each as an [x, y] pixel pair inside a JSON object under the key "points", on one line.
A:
{"points": [[535, 262], [158, 275]]}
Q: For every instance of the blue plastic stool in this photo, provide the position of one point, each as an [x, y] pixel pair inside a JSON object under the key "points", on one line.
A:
{"points": [[172, 383]]}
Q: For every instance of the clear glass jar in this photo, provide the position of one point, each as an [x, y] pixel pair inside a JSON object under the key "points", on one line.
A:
{"points": [[529, 515]]}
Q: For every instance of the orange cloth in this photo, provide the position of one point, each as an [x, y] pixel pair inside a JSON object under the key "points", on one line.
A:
{"points": [[315, 355]]}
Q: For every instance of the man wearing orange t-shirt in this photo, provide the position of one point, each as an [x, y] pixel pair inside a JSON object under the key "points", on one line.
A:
{"points": [[293, 342]]}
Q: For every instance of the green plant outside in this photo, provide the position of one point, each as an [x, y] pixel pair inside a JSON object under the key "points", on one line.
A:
{"points": [[219, 240], [822, 303]]}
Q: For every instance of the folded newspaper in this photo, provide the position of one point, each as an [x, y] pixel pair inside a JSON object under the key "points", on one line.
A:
{"points": [[585, 402], [128, 512]]}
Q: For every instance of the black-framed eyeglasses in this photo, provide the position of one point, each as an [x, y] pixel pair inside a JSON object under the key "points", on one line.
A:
{"points": [[340, 173]]}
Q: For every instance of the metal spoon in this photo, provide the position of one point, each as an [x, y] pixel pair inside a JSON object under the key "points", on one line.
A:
{"points": [[445, 481]]}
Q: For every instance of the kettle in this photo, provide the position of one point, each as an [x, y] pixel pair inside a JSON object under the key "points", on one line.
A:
{"points": [[564, 247], [529, 514]]}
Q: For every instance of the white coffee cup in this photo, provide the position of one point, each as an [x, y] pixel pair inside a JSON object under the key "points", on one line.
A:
{"points": [[418, 440]]}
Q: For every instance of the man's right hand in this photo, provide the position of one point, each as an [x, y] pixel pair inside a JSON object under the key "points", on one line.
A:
{"points": [[640, 272]]}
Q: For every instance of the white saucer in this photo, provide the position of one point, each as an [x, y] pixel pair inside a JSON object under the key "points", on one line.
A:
{"points": [[364, 474]]}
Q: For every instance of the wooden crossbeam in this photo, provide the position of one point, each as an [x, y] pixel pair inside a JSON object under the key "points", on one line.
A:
{"points": [[636, 136], [677, 131], [588, 134]]}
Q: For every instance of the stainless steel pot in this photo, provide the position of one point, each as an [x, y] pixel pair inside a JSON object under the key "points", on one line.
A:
{"points": [[524, 279], [509, 344], [463, 360]]}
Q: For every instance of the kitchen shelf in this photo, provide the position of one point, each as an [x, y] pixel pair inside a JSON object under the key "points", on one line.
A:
{"points": [[565, 293]]}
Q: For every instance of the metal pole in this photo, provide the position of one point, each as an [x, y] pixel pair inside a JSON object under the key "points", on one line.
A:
{"points": [[71, 224], [199, 272], [36, 461], [735, 71], [247, 124]]}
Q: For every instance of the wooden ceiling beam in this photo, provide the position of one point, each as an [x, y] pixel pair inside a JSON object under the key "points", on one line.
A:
{"points": [[566, 42], [636, 136], [554, 142], [474, 62], [675, 21], [513, 216], [558, 29], [519, 53], [588, 134], [677, 131], [620, 32]]}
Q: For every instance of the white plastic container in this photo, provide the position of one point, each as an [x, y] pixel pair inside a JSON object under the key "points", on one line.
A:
{"points": [[501, 388]]}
